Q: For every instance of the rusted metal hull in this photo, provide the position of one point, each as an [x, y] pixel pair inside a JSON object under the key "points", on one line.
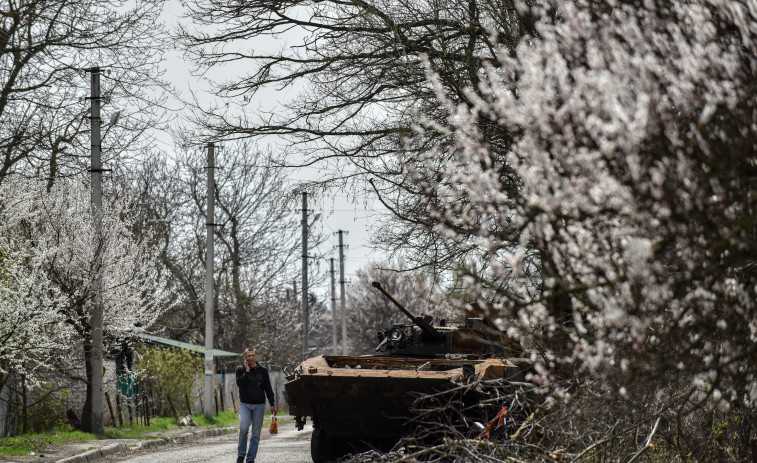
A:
{"points": [[370, 397], [358, 407]]}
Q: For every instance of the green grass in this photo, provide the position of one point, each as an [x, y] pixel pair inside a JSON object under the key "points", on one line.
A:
{"points": [[136, 431], [231, 419], [227, 418], [22, 445]]}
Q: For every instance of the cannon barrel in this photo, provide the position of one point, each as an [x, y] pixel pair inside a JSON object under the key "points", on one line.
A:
{"points": [[425, 326]]}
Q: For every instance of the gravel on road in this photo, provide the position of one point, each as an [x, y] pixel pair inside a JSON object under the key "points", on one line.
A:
{"points": [[288, 446]]}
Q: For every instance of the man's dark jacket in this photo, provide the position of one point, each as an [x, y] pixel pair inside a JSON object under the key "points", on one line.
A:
{"points": [[254, 385]]}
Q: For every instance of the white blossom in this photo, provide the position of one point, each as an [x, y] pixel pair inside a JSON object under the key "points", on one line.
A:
{"points": [[48, 269], [631, 187]]}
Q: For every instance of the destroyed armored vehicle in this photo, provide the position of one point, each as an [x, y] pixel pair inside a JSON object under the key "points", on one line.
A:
{"points": [[362, 402]]}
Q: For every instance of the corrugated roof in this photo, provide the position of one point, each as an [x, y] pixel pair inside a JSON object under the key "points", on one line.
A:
{"points": [[183, 345]]}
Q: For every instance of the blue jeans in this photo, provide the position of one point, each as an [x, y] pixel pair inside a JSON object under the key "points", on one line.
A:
{"points": [[250, 414]]}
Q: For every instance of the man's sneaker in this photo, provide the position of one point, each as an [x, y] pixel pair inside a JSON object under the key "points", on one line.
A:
{"points": [[240, 459]]}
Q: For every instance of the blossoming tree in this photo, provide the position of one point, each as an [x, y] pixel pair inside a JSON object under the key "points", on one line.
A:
{"points": [[625, 252], [52, 247]]}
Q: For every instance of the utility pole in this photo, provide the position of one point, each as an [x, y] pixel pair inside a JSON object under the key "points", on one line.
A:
{"points": [[333, 308], [341, 295], [208, 391], [96, 170], [305, 320]]}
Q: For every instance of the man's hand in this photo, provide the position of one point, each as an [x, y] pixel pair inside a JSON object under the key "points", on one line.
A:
{"points": [[246, 366], [273, 410]]}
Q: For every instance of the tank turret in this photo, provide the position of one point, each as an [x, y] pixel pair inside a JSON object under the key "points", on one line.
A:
{"points": [[422, 339]]}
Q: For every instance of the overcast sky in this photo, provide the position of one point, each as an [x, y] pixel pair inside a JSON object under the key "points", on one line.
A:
{"points": [[338, 211]]}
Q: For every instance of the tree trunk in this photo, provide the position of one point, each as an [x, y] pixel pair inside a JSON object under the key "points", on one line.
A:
{"points": [[24, 410], [86, 413]]}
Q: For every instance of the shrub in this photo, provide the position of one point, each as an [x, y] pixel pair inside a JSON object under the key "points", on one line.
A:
{"points": [[165, 372]]}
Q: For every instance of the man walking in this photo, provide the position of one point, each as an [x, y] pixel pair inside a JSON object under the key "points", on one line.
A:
{"points": [[254, 386]]}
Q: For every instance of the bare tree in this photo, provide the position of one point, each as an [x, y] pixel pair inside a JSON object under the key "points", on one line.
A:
{"points": [[257, 234], [44, 47], [279, 316], [356, 83], [167, 219]]}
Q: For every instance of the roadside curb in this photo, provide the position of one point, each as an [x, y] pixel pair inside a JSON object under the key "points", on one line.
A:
{"points": [[112, 449]]}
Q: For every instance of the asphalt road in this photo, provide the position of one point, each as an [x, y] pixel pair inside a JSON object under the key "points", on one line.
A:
{"points": [[288, 446]]}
